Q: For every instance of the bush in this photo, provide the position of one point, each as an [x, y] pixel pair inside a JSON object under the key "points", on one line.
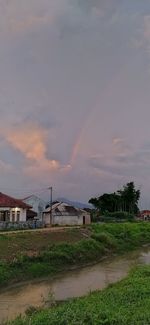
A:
{"points": [[31, 310], [120, 215], [107, 239]]}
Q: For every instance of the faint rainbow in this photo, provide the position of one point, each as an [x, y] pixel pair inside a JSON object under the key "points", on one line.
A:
{"points": [[106, 93]]}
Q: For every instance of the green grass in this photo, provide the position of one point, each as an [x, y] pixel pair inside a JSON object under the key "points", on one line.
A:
{"points": [[125, 303], [104, 239]]}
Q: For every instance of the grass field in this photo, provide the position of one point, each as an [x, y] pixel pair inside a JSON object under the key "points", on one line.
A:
{"points": [[25, 256], [125, 303]]}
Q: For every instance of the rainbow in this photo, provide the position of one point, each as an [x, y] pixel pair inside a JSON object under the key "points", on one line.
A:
{"points": [[107, 92]]}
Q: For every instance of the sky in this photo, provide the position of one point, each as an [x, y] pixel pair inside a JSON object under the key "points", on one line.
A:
{"points": [[74, 97]]}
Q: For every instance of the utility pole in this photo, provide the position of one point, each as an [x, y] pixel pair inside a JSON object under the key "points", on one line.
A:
{"points": [[51, 191]]}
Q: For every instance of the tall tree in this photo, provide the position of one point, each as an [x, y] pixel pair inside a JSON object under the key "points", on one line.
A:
{"points": [[130, 197]]}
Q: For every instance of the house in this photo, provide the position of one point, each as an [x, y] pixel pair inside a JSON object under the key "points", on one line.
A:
{"points": [[37, 205], [12, 210], [144, 215], [64, 214]]}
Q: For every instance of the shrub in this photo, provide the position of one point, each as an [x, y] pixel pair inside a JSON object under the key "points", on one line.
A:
{"points": [[120, 215], [107, 239]]}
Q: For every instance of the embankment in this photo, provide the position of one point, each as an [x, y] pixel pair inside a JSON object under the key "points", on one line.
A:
{"points": [[104, 240]]}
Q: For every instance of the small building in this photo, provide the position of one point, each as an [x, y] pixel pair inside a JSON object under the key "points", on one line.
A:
{"points": [[12, 210], [64, 214], [37, 205], [144, 215]]}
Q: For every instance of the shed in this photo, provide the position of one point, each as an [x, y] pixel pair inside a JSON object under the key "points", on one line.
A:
{"points": [[64, 214]]}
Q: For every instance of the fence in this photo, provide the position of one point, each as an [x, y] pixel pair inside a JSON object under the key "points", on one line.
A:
{"points": [[21, 225]]}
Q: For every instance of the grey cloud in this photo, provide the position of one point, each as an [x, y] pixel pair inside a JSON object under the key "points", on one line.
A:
{"points": [[135, 164], [139, 158], [103, 5], [42, 116]]}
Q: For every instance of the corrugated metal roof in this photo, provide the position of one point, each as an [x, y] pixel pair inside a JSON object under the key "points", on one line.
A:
{"points": [[64, 209]]}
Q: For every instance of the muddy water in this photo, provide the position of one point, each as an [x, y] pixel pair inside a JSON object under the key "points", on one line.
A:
{"points": [[75, 283]]}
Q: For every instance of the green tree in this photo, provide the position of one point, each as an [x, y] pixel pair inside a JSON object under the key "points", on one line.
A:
{"points": [[130, 197], [124, 200], [106, 202]]}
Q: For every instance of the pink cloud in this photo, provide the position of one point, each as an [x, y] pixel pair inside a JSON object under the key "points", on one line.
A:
{"points": [[30, 140]]}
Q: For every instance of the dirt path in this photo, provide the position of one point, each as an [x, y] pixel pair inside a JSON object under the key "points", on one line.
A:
{"points": [[49, 229]]}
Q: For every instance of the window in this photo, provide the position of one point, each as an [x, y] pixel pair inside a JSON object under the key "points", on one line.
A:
{"points": [[13, 216], [8, 216], [5, 216], [2, 216], [18, 216]]}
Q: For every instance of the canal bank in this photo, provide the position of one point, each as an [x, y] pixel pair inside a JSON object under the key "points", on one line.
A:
{"points": [[77, 283], [102, 241]]}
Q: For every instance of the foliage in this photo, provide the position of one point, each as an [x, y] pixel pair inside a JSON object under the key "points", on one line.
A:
{"points": [[124, 200], [130, 197], [31, 310], [120, 215], [124, 303], [106, 238], [106, 202]]}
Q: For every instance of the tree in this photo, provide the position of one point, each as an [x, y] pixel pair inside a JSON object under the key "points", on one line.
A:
{"points": [[95, 202], [124, 200], [130, 197], [106, 202]]}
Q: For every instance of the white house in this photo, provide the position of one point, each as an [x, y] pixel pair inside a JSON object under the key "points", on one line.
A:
{"points": [[64, 214], [12, 210], [38, 205]]}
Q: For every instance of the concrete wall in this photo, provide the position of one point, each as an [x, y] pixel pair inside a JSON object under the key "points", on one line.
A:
{"points": [[67, 220], [87, 219]]}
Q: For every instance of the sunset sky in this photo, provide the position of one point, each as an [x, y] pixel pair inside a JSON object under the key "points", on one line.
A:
{"points": [[74, 96]]}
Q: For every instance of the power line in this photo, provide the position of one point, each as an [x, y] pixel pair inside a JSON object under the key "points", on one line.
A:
{"points": [[25, 191]]}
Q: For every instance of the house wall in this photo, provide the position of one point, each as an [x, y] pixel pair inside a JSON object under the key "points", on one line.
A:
{"points": [[38, 205], [87, 219], [64, 220], [14, 210]]}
